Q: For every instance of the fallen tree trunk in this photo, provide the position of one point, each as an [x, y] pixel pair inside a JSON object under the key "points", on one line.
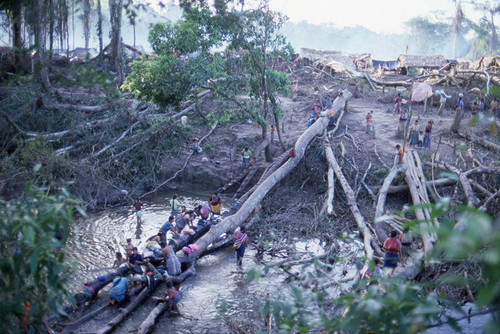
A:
{"points": [[277, 163], [83, 108], [353, 206], [415, 186], [472, 199], [331, 182], [149, 322], [483, 142], [436, 183], [116, 141], [125, 312], [254, 167], [232, 222], [382, 196]]}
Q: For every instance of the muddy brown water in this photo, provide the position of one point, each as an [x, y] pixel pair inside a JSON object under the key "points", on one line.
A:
{"points": [[96, 238], [218, 281]]}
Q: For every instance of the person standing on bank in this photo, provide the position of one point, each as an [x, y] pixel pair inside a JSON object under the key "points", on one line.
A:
{"points": [[240, 244], [428, 135], [392, 247]]}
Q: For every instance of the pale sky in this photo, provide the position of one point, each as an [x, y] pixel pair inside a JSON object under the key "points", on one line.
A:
{"points": [[380, 16]]}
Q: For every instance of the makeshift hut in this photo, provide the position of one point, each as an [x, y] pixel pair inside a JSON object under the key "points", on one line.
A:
{"points": [[410, 64]]}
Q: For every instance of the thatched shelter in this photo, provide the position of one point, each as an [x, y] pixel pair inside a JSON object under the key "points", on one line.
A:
{"points": [[322, 58], [486, 63], [422, 61]]}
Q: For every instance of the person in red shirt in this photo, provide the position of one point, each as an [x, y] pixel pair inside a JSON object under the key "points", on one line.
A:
{"points": [[392, 247]]}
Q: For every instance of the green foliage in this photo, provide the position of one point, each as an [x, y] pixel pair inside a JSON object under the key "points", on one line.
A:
{"points": [[394, 304], [33, 234], [184, 64], [428, 37]]}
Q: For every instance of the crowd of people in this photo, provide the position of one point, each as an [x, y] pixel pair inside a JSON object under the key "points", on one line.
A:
{"points": [[181, 224]]}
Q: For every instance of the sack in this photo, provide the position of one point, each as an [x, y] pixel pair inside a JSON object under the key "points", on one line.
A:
{"points": [[237, 245]]}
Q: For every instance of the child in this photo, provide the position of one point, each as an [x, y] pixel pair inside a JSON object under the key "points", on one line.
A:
{"points": [[173, 295], [240, 244], [119, 260], [138, 209], [128, 248], [420, 141], [377, 270], [400, 153]]}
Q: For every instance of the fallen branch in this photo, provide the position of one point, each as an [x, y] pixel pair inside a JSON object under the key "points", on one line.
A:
{"points": [[116, 141], [483, 142], [182, 168], [382, 196]]}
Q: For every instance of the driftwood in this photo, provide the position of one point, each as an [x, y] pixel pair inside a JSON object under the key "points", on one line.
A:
{"points": [[382, 196], [232, 222], [182, 168]]}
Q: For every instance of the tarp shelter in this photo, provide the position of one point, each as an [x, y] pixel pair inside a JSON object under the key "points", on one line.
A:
{"points": [[421, 91], [385, 64]]}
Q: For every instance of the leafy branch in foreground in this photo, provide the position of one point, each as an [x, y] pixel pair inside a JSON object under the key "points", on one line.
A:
{"points": [[33, 233], [393, 304]]}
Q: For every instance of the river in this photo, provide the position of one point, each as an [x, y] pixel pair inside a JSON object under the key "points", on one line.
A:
{"points": [[219, 283]]}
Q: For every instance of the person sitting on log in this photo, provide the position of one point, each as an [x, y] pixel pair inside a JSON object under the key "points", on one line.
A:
{"points": [[168, 226], [215, 203], [151, 277], [202, 211], [187, 254], [135, 260], [153, 244], [171, 261], [117, 293], [174, 296], [183, 219], [392, 247], [119, 260]]}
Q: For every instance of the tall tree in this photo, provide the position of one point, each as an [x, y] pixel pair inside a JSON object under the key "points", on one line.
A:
{"points": [[87, 8], [490, 9], [115, 11], [99, 32], [13, 9], [457, 25], [38, 28]]}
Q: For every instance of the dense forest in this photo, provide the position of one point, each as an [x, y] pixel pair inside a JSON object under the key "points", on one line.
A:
{"points": [[103, 102]]}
